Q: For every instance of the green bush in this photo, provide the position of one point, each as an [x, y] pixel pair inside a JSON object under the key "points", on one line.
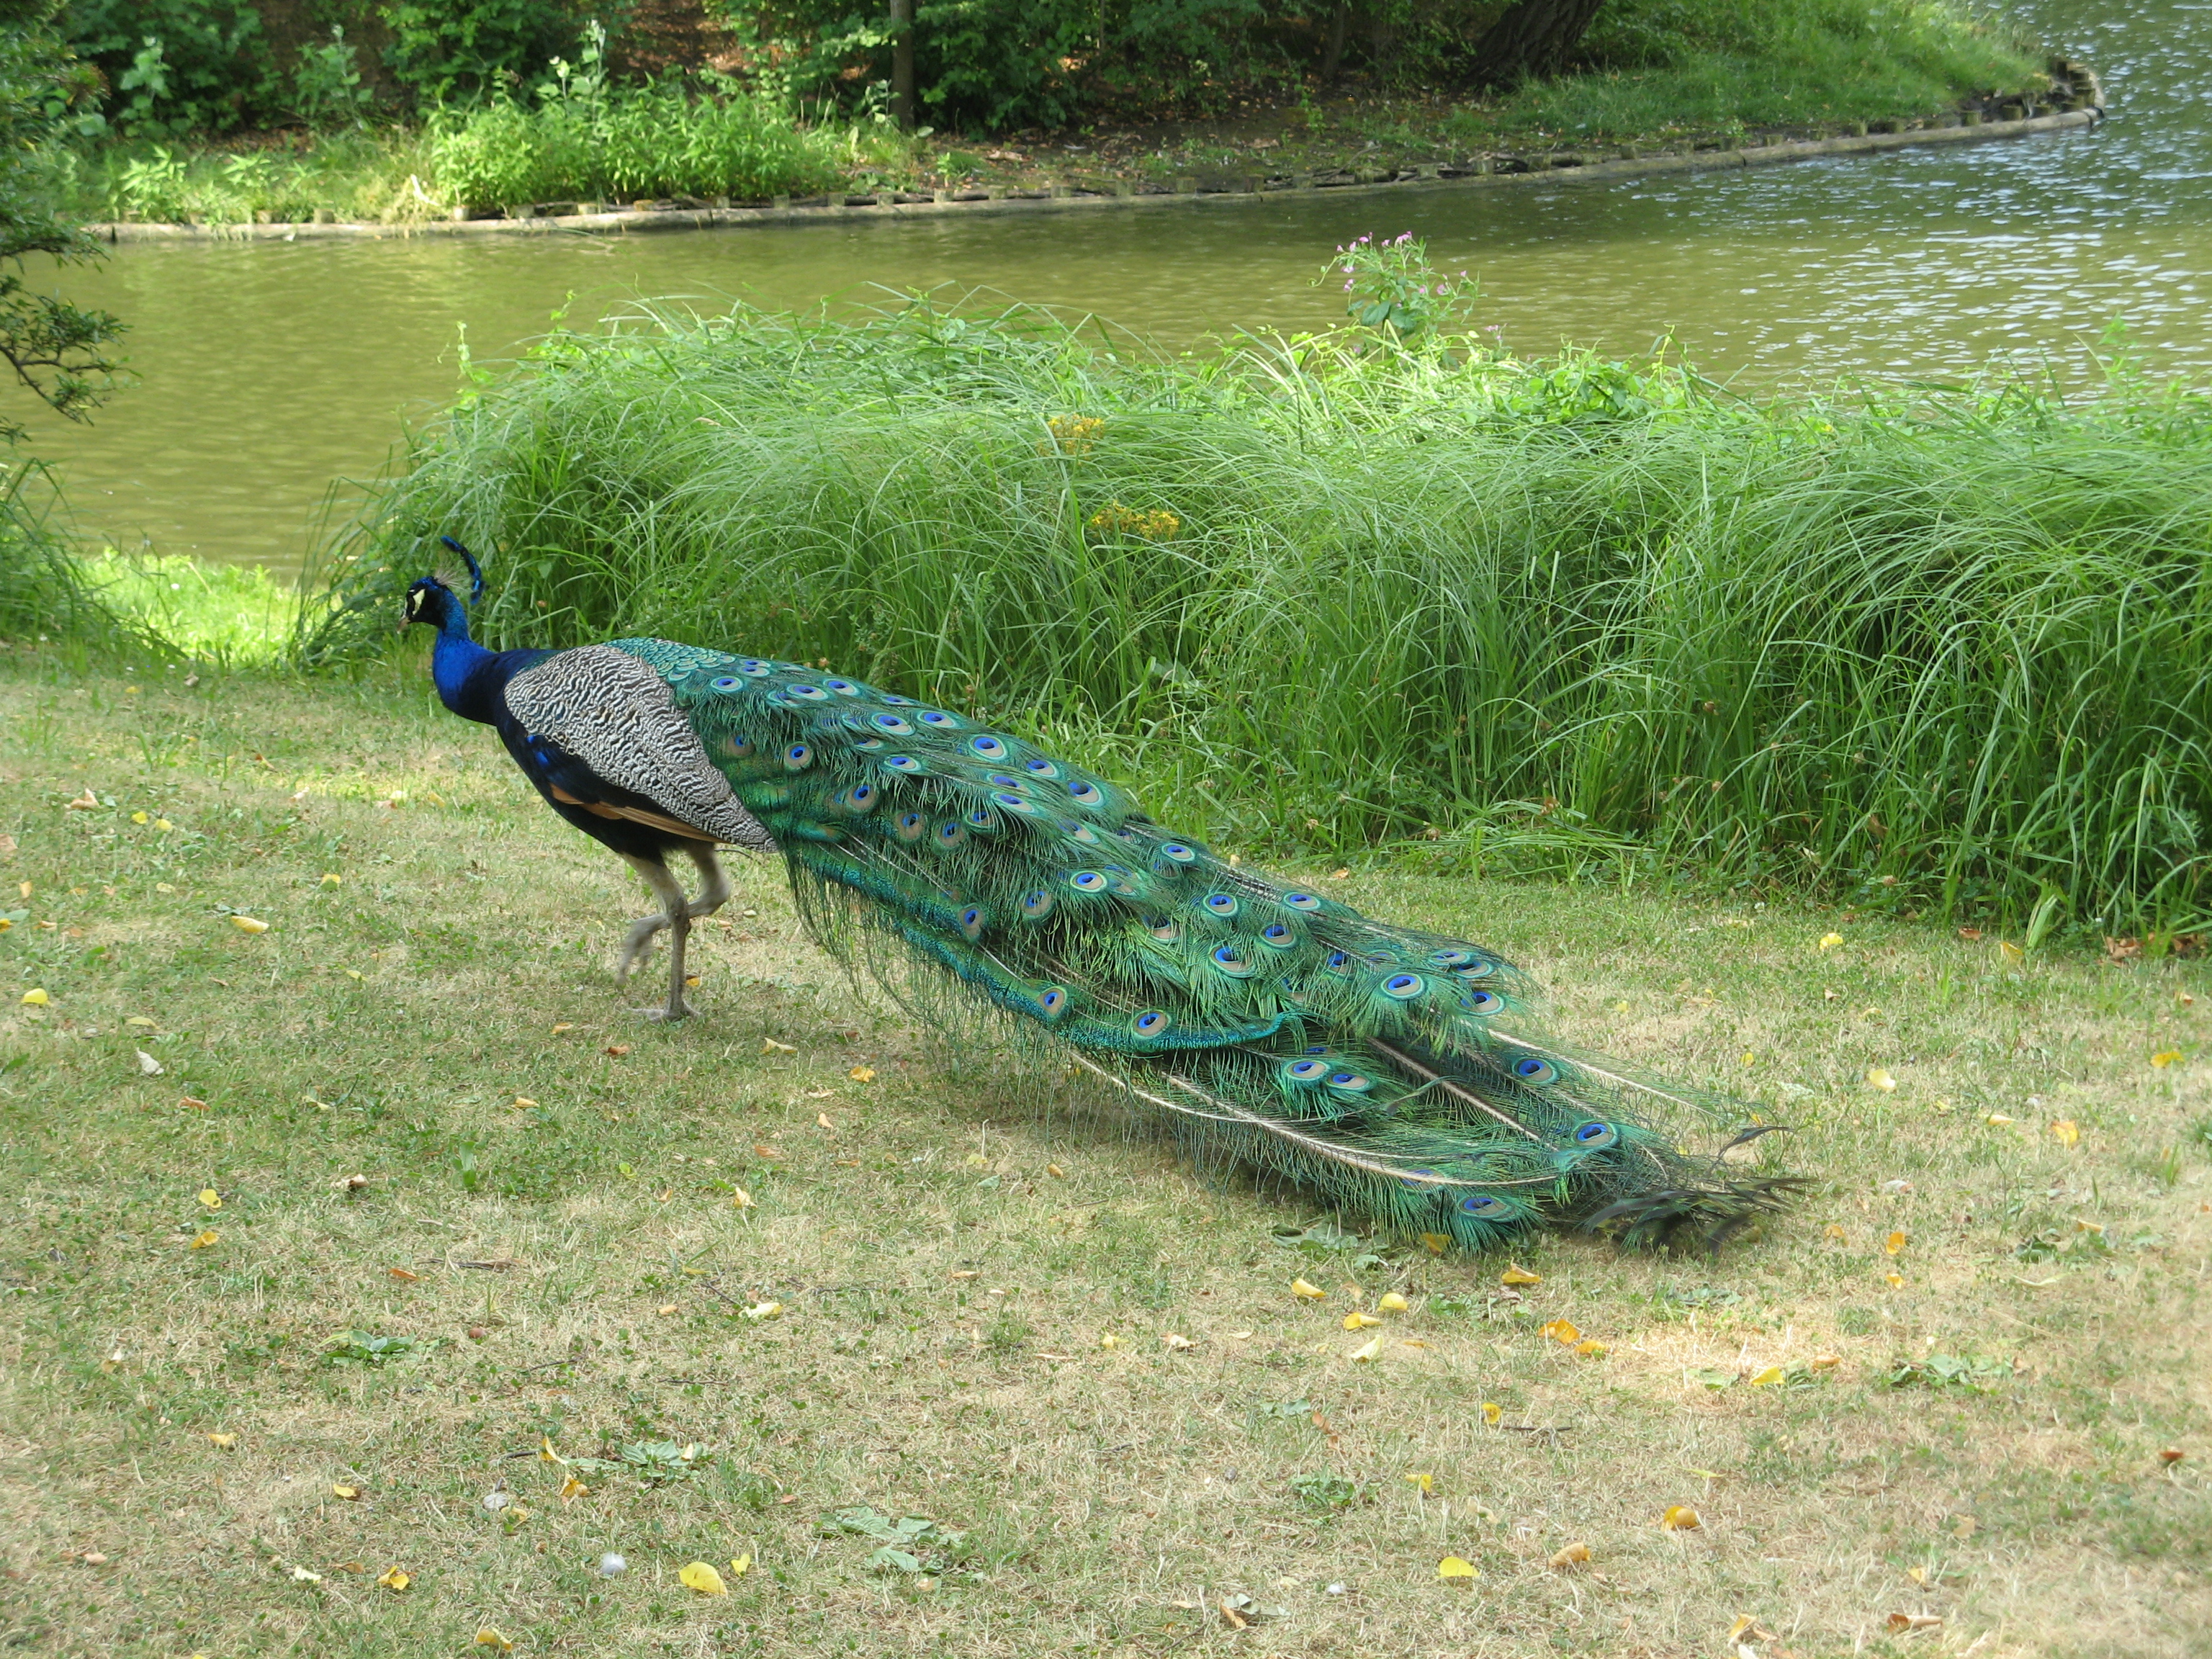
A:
{"points": [[466, 51], [584, 138], [1944, 653], [179, 66]]}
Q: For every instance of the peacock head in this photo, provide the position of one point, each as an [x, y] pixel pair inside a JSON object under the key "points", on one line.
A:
{"points": [[431, 601]]}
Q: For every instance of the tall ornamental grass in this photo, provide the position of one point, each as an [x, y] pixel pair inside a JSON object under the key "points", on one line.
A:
{"points": [[1944, 651]]}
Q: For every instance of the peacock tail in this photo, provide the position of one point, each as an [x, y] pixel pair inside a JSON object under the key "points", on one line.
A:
{"points": [[1389, 1071]]}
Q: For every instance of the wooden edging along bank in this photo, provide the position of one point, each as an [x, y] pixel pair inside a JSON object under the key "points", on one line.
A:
{"points": [[1559, 167]]}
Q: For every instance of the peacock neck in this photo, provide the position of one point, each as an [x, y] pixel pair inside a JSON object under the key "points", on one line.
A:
{"points": [[457, 665]]}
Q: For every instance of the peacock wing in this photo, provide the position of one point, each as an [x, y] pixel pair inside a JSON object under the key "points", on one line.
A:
{"points": [[613, 711]]}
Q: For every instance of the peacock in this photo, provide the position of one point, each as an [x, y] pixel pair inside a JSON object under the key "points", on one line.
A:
{"points": [[1389, 1072]]}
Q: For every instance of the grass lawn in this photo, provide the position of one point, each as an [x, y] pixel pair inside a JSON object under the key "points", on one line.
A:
{"points": [[219, 1426]]}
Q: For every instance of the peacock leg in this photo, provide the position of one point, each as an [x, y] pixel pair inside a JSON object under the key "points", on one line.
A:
{"points": [[714, 881], [670, 892]]}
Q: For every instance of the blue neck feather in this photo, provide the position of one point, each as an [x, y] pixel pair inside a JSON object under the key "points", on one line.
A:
{"points": [[468, 677]]}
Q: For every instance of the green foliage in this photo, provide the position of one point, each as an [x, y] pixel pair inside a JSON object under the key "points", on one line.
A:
{"points": [[444, 51], [1941, 651], [327, 83], [583, 137], [1393, 290], [365, 1349], [179, 66], [1325, 1492], [362, 174]]}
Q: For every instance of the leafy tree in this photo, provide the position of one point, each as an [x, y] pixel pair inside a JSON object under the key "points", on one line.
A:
{"points": [[57, 350]]}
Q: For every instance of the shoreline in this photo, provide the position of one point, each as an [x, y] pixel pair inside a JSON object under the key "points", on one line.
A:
{"points": [[1561, 166]]}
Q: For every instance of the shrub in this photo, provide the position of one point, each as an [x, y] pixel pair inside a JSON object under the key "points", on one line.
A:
{"points": [[1947, 654]]}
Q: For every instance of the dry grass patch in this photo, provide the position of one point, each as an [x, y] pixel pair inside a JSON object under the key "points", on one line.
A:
{"points": [[545, 1279]]}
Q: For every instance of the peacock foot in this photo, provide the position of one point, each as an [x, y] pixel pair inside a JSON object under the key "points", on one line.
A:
{"points": [[638, 943]]}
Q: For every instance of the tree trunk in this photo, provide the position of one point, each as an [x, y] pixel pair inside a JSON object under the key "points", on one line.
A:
{"points": [[1534, 37], [1332, 57], [902, 64]]}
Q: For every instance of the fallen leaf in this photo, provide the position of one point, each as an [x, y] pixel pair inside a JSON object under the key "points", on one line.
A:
{"points": [[1748, 1629], [563, 1026], [206, 1239], [770, 1046], [1110, 1340], [1572, 1555], [1829, 941], [1965, 1527], [760, 1151], [1519, 1275], [2172, 1456], [1357, 1321], [1560, 1330], [2165, 1057], [212, 1199], [1492, 1411], [1436, 1243], [249, 925], [1233, 1618], [1997, 1120], [819, 1094], [1681, 1517], [1055, 1172], [1879, 1078], [1391, 1301], [1768, 1377], [1177, 1344], [2010, 951], [1918, 1576], [1902, 1622], [1372, 1347], [862, 1075], [223, 1441], [1824, 1362], [615, 1050], [394, 1579], [1453, 1567], [300, 1575], [331, 878], [1896, 1280], [740, 1564], [350, 1494], [1427, 1483], [36, 997], [763, 1310], [572, 1489], [741, 1200], [1835, 1231], [701, 1578], [1309, 1293], [2067, 1132], [148, 1066], [488, 1638], [1893, 1243]]}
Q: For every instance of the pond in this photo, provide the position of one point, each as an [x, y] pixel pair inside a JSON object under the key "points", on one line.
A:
{"points": [[271, 370]]}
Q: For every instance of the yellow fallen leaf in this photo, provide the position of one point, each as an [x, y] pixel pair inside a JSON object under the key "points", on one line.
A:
{"points": [[1826, 1362], [1829, 941], [1368, 1350], [2165, 1057], [1560, 1330], [1519, 1275], [1453, 1567], [488, 1638], [1681, 1517], [1427, 1483], [741, 1200], [1896, 1280], [770, 1046], [821, 1122], [572, 1489], [763, 1310], [1997, 1120], [394, 1579], [1570, 1556], [1176, 1344], [1879, 1078], [331, 878], [546, 1454], [212, 1199], [1110, 1340], [701, 1578], [523, 1104], [1893, 1243], [1492, 1411], [223, 1441], [350, 1494], [1767, 1378], [2010, 951], [249, 924], [1391, 1301], [563, 1026], [862, 1075], [1055, 1172], [1357, 1321], [1590, 1348], [1436, 1243], [1902, 1622], [740, 1564], [36, 997], [1834, 1230], [140, 817], [1310, 1293], [2068, 1131], [163, 824], [206, 1239]]}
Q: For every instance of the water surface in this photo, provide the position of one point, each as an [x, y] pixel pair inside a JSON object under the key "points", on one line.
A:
{"points": [[269, 370]]}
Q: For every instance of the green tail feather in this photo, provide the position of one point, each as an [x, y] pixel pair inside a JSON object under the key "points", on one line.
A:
{"points": [[1390, 1071]]}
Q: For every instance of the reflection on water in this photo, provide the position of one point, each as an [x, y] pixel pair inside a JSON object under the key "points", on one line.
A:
{"points": [[271, 369]]}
